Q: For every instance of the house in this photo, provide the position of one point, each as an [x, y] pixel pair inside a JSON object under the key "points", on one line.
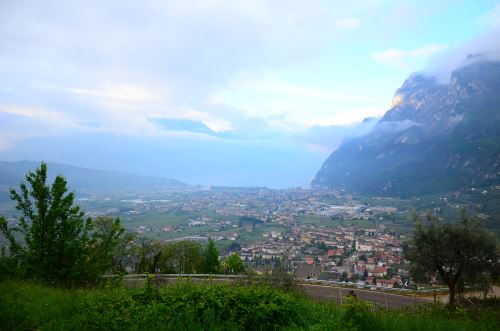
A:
{"points": [[309, 260], [323, 258], [389, 283], [369, 280], [363, 247], [335, 252], [378, 272]]}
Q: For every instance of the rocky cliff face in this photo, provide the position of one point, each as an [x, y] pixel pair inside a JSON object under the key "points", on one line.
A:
{"points": [[437, 137]]}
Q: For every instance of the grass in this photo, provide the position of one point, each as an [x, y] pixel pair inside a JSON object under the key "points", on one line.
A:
{"points": [[29, 306]]}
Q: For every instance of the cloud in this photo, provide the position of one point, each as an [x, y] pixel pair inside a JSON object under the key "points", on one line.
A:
{"points": [[487, 45], [491, 19], [355, 115], [288, 106], [250, 71], [395, 126], [404, 58], [327, 138], [347, 23], [125, 93], [163, 59], [35, 122], [32, 112]]}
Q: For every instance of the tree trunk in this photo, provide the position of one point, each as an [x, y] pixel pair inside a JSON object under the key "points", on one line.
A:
{"points": [[451, 300]]}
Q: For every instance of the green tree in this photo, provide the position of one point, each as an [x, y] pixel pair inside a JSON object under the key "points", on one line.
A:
{"points": [[55, 232], [456, 252], [123, 254], [233, 265], [143, 253], [59, 242], [211, 263], [9, 266], [183, 257], [102, 250]]}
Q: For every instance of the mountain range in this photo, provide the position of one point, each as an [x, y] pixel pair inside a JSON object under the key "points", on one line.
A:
{"points": [[83, 180], [437, 137]]}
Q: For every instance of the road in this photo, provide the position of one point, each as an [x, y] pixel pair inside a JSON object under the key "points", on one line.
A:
{"points": [[338, 294]]}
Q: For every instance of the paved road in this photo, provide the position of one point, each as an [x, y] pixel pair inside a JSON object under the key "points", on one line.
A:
{"points": [[338, 294]]}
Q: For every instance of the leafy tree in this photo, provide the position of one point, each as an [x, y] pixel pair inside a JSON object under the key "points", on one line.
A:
{"points": [[211, 262], [143, 252], [458, 253], [233, 265], [183, 257], [156, 254], [8, 265], [234, 247], [54, 231], [59, 243], [123, 255], [106, 237]]}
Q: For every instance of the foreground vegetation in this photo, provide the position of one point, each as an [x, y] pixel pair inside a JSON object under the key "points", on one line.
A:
{"points": [[26, 305], [54, 240], [56, 257]]}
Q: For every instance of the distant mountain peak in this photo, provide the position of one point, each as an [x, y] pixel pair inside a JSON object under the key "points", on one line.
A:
{"points": [[435, 137]]}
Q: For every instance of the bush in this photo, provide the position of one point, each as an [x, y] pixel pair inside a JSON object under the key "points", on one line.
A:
{"points": [[29, 306]]}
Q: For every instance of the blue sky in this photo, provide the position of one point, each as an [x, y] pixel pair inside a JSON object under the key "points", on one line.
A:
{"points": [[216, 92]]}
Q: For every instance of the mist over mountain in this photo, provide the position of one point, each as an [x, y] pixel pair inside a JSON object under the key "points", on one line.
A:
{"points": [[83, 180], [437, 137]]}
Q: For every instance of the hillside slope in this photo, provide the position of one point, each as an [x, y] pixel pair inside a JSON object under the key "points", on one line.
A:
{"points": [[436, 137]]}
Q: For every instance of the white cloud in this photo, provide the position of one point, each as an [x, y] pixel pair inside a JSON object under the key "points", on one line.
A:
{"points": [[34, 122], [115, 65], [37, 113], [444, 63], [123, 93], [127, 108], [491, 19], [288, 106], [347, 23], [404, 58], [350, 116]]}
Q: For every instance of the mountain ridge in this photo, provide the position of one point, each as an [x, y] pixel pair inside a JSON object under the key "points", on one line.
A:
{"points": [[436, 137], [81, 179]]}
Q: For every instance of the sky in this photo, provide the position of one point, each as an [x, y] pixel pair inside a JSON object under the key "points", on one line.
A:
{"points": [[214, 92]]}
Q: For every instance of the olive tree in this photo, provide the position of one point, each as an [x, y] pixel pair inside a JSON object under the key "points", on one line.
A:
{"points": [[458, 253], [233, 265]]}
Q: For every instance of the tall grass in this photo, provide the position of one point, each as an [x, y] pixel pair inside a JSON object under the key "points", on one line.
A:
{"points": [[29, 306]]}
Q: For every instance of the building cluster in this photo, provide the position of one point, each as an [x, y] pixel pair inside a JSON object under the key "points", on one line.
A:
{"points": [[281, 236], [352, 254]]}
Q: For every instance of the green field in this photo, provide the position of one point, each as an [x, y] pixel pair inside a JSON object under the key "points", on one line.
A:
{"points": [[159, 220], [327, 222]]}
